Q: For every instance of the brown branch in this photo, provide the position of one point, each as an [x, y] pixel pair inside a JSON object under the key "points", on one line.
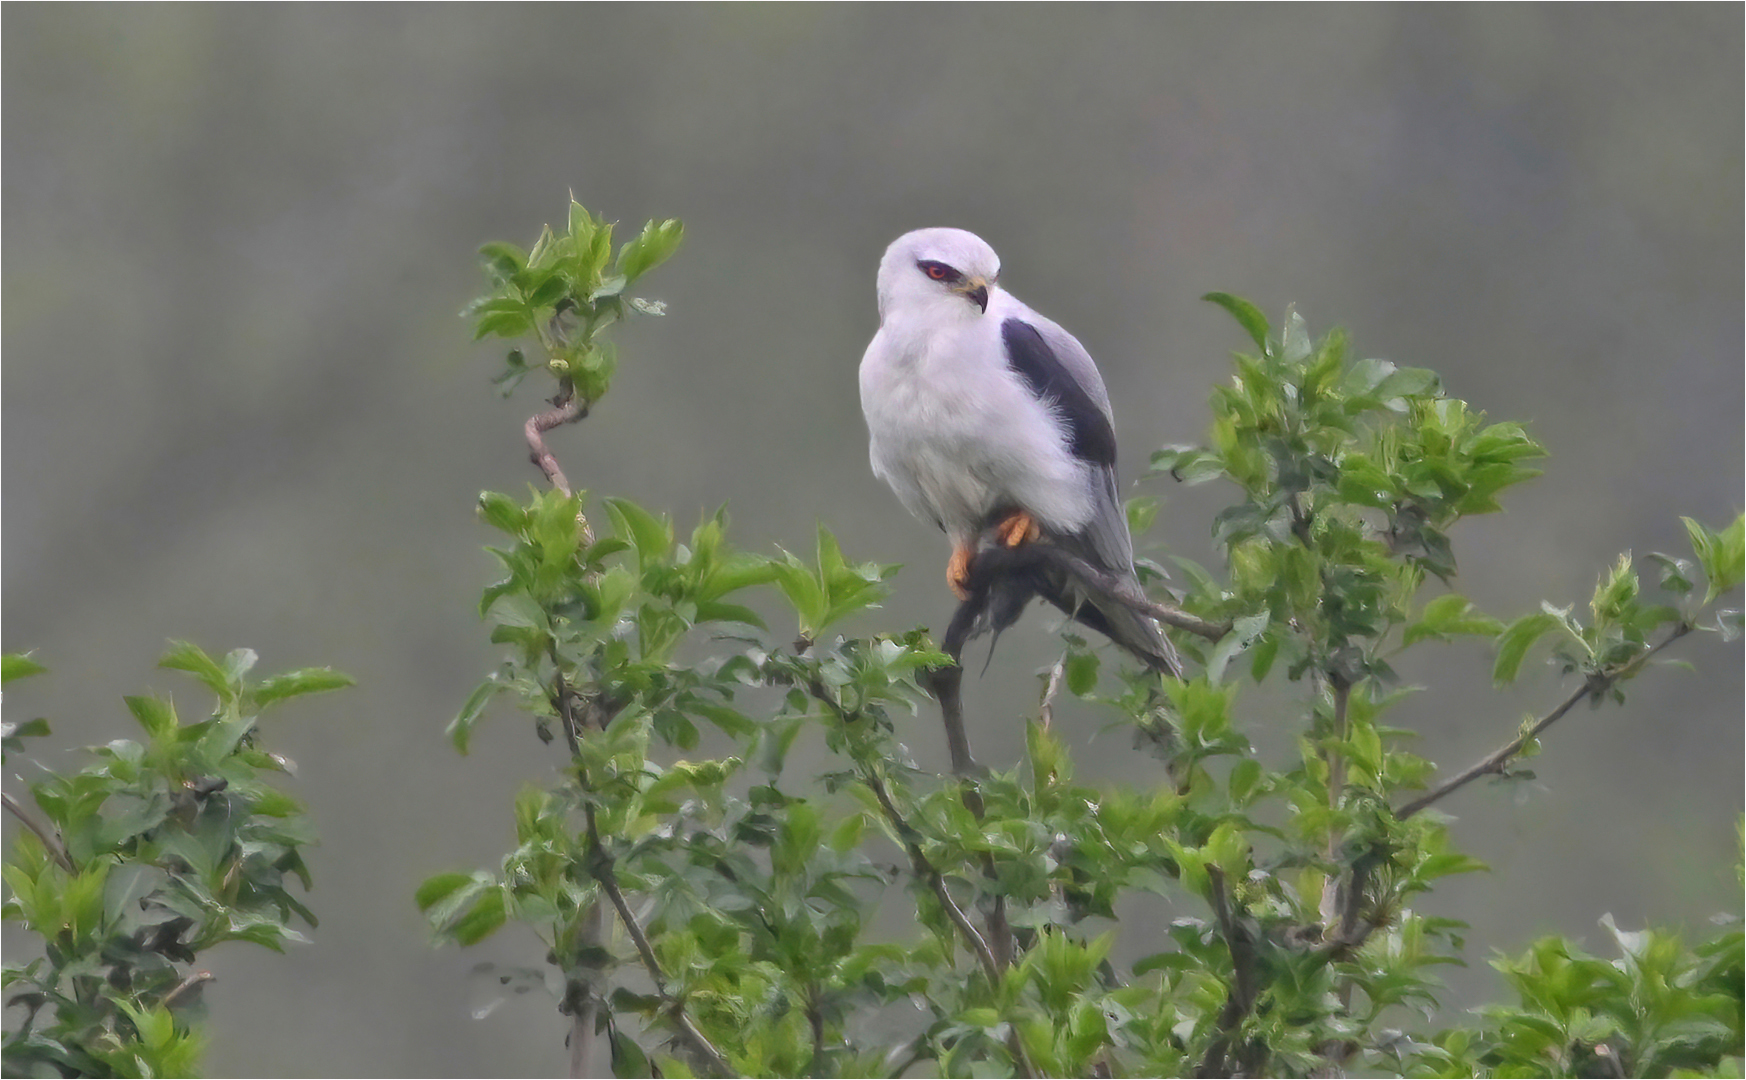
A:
{"points": [[935, 880], [43, 833], [566, 408], [585, 999], [1216, 1061], [194, 981], [945, 684], [815, 1020], [1122, 592], [1046, 709], [922, 868], [1494, 763], [600, 869], [1336, 789]]}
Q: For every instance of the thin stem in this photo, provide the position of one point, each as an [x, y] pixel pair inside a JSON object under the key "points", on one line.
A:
{"points": [[1495, 762], [46, 835], [946, 684], [935, 880], [815, 1018], [1336, 791], [1216, 1061], [600, 868], [1046, 710], [566, 408], [194, 981]]}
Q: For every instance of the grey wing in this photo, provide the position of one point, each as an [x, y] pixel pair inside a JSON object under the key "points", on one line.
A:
{"points": [[1072, 357], [1057, 368]]}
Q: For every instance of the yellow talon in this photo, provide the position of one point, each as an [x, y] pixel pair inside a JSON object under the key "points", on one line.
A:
{"points": [[958, 570], [1018, 528]]}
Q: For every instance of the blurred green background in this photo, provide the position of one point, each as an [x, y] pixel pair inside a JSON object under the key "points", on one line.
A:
{"points": [[239, 406]]}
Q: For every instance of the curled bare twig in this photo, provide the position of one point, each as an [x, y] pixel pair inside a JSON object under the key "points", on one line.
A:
{"points": [[566, 408]]}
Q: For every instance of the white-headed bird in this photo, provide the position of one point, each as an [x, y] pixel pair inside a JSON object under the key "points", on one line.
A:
{"points": [[984, 415]]}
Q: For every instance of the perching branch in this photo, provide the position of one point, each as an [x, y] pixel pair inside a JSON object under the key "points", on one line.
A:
{"points": [[46, 835], [991, 564], [1493, 764], [1101, 582]]}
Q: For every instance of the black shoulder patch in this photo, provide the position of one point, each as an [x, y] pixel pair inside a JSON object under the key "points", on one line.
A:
{"points": [[1088, 429]]}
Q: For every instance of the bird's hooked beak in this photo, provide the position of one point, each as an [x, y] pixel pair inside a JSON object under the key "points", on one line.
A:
{"points": [[975, 289]]}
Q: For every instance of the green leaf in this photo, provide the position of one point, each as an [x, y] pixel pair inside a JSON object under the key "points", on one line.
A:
{"points": [[1247, 315], [460, 729], [653, 247], [156, 716], [184, 656], [502, 512], [1676, 574], [1451, 615], [18, 666], [1244, 633], [438, 887], [1187, 464], [650, 535], [503, 259], [1515, 641], [1721, 555], [296, 683], [482, 920], [1081, 672], [1142, 510]]}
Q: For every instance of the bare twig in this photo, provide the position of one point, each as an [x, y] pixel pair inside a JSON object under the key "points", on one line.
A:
{"points": [[566, 408], [582, 1037], [911, 840], [188, 986], [1046, 709], [43, 833], [815, 1019], [992, 964], [585, 1000], [1495, 762]]}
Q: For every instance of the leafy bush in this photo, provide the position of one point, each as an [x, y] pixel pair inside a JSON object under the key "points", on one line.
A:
{"points": [[152, 854], [1278, 934]]}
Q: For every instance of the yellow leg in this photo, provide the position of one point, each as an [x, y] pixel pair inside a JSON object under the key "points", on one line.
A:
{"points": [[1017, 528], [958, 570]]}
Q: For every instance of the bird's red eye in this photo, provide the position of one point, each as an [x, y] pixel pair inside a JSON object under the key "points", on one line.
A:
{"points": [[939, 271]]}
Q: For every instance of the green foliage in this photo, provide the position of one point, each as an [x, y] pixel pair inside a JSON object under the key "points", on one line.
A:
{"points": [[565, 290], [158, 850], [1659, 1010], [1235, 915]]}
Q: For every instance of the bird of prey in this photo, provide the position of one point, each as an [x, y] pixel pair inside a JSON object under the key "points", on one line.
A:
{"points": [[983, 414]]}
